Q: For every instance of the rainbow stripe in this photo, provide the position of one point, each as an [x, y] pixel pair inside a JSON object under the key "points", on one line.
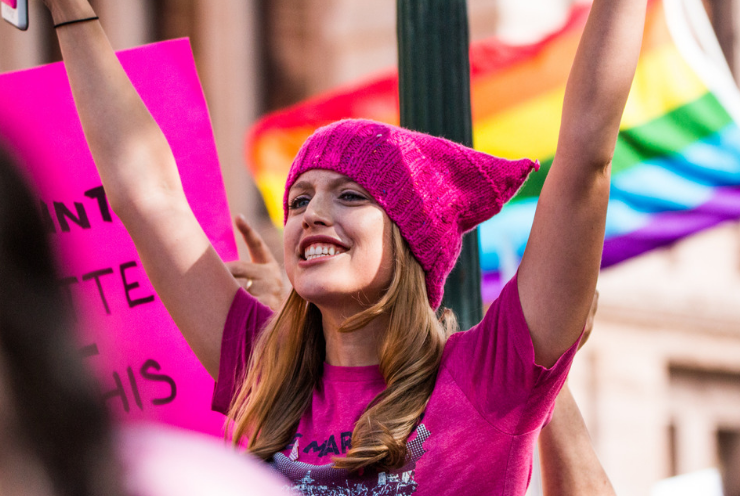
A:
{"points": [[676, 169]]}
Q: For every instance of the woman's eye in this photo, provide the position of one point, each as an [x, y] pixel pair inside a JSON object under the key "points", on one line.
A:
{"points": [[352, 196], [298, 202]]}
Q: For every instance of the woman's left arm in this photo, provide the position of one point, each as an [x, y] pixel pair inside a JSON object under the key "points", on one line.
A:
{"points": [[568, 460], [560, 266]]}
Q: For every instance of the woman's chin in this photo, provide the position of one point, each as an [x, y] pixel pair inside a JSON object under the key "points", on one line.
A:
{"points": [[322, 296], [332, 296]]}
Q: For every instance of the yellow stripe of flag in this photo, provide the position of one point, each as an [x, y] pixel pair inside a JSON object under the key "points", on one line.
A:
{"points": [[663, 83]]}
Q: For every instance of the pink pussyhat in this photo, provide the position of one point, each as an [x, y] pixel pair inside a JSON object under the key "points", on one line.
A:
{"points": [[433, 189]]}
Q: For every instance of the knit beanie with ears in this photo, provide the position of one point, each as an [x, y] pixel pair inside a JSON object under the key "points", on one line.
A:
{"points": [[433, 189]]}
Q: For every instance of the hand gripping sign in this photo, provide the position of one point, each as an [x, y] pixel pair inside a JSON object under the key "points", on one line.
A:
{"points": [[146, 369]]}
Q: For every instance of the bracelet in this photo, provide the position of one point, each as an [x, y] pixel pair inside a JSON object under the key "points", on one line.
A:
{"points": [[75, 21]]}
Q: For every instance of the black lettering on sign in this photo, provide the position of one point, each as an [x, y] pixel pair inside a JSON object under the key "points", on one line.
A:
{"points": [[64, 214], [146, 374], [145, 371], [346, 441], [99, 194], [130, 286], [78, 214], [97, 274], [46, 219], [134, 388], [118, 392]]}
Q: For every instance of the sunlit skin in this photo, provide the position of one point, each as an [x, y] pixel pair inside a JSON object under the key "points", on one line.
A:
{"points": [[329, 210]]}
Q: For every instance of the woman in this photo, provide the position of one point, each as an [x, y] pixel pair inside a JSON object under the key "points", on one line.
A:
{"points": [[568, 461], [353, 386]]}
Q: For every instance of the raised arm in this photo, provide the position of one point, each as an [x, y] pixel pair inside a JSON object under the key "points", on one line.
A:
{"points": [[560, 266], [142, 183]]}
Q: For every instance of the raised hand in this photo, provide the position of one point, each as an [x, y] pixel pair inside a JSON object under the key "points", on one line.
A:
{"points": [[560, 266], [262, 277]]}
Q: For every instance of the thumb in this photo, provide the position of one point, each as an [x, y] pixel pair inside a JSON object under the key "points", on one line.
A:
{"points": [[258, 250]]}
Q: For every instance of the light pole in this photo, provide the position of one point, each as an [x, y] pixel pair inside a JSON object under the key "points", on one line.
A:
{"points": [[434, 90]]}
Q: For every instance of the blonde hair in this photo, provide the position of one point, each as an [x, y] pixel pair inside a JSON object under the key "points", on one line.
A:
{"points": [[287, 364]]}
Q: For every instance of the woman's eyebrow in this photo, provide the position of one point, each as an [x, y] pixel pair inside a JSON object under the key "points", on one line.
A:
{"points": [[301, 185], [341, 181], [334, 183]]}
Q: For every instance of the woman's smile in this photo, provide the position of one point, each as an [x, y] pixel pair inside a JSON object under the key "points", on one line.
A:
{"points": [[320, 253], [320, 248]]}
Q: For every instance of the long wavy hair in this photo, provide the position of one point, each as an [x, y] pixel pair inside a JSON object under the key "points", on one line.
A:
{"points": [[287, 363]]}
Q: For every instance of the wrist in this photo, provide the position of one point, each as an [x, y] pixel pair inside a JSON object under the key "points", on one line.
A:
{"points": [[70, 10]]}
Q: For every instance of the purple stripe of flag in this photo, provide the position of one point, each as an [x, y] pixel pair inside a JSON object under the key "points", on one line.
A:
{"points": [[668, 227], [664, 229]]}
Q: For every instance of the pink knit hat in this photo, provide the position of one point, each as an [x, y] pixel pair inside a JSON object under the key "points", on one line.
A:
{"points": [[433, 189]]}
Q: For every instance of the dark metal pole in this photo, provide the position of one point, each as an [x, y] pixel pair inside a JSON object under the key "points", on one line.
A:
{"points": [[434, 89]]}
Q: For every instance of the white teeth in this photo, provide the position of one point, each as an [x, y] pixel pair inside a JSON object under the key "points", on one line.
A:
{"points": [[321, 250]]}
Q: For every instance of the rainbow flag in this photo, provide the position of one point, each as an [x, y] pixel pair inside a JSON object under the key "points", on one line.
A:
{"points": [[676, 169]]}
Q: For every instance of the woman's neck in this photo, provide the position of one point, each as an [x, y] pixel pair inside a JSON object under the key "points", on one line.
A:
{"points": [[352, 349]]}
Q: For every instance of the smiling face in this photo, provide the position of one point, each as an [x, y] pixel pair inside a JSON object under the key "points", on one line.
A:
{"points": [[337, 241]]}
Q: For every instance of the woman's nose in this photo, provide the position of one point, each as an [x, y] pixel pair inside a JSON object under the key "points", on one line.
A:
{"points": [[317, 212]]}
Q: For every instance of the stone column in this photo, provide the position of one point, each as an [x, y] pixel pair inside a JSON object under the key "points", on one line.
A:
{"points": [[696, 441], [632, 429], [227, 54]]}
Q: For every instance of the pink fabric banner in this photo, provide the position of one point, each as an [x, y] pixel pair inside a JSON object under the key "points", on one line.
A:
{"points": [[146, 369]]}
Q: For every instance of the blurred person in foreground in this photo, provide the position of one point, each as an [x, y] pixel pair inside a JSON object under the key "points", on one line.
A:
{"points": [[568, 461], [56, 438]]}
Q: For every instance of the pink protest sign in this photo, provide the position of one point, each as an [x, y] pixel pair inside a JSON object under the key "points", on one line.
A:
{"points": [[146, 369]]}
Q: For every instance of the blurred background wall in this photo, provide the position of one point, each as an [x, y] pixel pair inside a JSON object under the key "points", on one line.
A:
{"points": [[659, 383]]}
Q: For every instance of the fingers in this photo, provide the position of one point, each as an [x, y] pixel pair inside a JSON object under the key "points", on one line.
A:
{"points": [[245, 283], [243, 269], [258, 250], [244, 273], [263, 281]]}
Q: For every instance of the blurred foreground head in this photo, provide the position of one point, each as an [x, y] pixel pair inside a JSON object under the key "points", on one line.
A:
{"points": [[54, 432]]}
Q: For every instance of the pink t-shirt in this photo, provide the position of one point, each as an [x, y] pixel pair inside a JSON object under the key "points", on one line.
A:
{"points": [[475, 438]]}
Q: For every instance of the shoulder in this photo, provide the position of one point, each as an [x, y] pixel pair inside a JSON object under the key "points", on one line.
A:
{"points": [[503, 328]]}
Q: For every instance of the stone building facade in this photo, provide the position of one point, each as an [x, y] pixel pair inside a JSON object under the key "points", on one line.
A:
{"points": [[659, 383]]}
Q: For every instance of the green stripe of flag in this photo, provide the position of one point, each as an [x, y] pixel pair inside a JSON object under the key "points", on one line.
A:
{"points": [[663, 136]]}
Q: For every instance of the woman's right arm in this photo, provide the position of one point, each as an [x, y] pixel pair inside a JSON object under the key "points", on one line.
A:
{"points": [[143, 186]]}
